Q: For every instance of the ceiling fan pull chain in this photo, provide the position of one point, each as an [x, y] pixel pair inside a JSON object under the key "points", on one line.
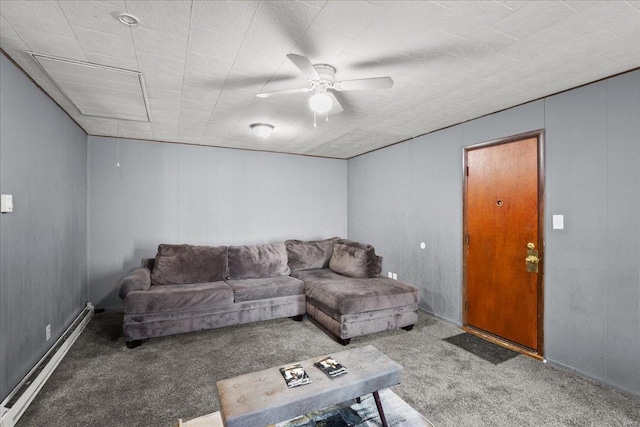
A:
{"points": [[327, 117], [314, 119]]}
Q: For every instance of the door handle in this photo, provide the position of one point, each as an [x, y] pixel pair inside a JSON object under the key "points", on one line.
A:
{"points": [[532, 259]]}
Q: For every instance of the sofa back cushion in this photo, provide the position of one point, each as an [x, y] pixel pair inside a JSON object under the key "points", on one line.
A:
{"points": [[148, 263], [184, 264], [354, 259], [307, 255], [248, 262]]}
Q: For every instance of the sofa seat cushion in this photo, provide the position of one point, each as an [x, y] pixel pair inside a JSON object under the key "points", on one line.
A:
{"points": [[159, 298], [251, 262], [265, 288], [185, 264], [317, 274], [350, 295]]}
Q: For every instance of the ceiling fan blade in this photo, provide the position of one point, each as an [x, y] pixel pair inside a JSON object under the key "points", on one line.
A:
{"points": [[336, 107], [305, 65], [282, 92], [364, 84]]}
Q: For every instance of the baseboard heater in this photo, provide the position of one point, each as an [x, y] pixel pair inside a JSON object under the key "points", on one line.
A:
{"points": [[19, 399]]}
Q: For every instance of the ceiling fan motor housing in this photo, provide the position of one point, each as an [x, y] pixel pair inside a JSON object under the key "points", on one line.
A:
{"points": [[327, 74]]}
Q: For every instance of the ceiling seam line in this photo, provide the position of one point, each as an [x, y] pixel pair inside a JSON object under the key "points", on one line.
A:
{"points": [[235, 58], [184, 72]]}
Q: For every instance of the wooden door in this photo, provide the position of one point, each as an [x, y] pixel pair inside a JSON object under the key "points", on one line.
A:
{"points": [[502, 203]]}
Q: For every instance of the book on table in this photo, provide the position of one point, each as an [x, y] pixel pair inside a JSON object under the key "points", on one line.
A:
{"points": [[329, 366], [294, 375]]}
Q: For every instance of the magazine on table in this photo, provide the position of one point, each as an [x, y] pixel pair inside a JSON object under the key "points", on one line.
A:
{"points": [[329, 366], [294, 375]]}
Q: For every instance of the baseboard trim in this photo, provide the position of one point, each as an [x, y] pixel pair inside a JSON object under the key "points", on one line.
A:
{"points": [[437, 316], [23, 394]]}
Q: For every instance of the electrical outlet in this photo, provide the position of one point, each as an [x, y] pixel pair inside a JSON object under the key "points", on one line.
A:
{"points": [[47, 332], [390, 275], [395, 276]]}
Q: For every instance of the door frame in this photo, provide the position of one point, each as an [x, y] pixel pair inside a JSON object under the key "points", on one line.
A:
{"points": [[539, 135]]}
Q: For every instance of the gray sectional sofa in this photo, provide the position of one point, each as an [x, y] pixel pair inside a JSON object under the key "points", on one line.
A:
{"points": [[335, 281]]}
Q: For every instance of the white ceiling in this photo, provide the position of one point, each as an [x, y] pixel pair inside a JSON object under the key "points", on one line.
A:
{"points": [[203, 62]]}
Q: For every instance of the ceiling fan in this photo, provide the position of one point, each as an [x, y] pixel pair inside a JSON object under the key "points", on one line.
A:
{"points": [[321, 79]]}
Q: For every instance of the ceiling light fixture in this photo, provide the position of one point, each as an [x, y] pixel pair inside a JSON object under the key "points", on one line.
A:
{"points": [[128, 19], [321, 102], [262, 130]]}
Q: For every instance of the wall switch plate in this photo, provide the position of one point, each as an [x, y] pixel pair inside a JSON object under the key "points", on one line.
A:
{"points": [[395, 276], [6, 203], [47, 332], [558, 222], [390, 275]]}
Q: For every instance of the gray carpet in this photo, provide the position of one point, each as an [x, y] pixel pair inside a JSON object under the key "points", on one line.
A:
{"points": [[102, 383]]}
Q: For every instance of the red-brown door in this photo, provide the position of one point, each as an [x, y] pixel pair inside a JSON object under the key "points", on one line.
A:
{"points": [[502, 218]]}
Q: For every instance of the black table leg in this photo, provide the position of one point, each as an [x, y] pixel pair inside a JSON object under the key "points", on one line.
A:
{"points": [[376, 397]]}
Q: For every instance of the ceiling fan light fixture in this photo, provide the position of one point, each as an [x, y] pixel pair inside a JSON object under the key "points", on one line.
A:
{"points": [[262, 130], [321, 102]]}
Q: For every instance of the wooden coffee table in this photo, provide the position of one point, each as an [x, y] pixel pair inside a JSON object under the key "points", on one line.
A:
{"points": [[262, 398]]}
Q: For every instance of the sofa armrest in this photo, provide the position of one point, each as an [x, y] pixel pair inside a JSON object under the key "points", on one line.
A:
{"points": [[379, 265], [138, 280]]}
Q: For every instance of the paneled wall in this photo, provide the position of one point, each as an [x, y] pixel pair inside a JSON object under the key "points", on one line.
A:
{"points": [[593, 265], [43, 262], [145, 193], [412, 193]]}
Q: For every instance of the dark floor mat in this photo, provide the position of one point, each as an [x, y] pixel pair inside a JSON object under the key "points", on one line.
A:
{"points": [[487, 350]]}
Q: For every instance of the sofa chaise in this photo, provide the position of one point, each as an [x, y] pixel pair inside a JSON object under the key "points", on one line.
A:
{"points": [[336, 282]]}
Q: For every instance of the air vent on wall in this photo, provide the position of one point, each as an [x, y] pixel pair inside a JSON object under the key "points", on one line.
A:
{"points": [[98, 90]]}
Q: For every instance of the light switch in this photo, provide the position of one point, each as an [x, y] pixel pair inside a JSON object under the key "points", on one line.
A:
{"points": [[558, 222], [6, 203]]}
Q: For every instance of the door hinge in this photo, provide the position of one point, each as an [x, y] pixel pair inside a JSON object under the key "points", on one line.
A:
{"points": [[466, 306], [467, 172], [466, 239]]}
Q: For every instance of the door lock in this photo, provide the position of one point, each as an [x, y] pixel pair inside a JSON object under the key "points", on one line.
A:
{"points": [[532, 259]]}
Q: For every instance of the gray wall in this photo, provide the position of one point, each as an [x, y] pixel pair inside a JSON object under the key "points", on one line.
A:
{"points": [[592, 267], [170, 193], [43, 163]]}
